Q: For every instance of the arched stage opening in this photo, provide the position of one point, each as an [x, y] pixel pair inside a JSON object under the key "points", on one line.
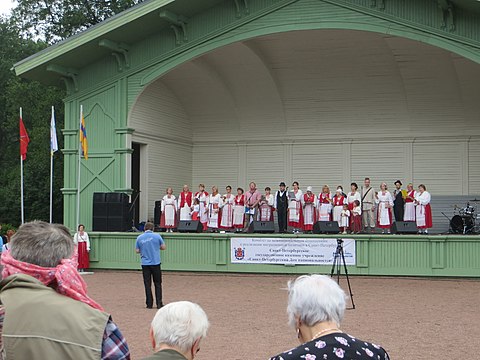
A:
{"points": [[326, 106]]}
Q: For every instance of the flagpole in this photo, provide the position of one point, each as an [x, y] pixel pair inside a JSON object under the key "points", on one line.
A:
{"points": [[51, 167], [21, 179], [79, 166]]}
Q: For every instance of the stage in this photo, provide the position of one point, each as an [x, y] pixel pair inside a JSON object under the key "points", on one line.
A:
{"points": [[375, 254]]}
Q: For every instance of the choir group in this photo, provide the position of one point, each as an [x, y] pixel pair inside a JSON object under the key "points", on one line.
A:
{"points": [[357, 211]]}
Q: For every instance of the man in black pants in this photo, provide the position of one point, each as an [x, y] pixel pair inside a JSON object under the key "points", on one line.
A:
{"points": [[281, 204], [398, 201], [148, 245]]}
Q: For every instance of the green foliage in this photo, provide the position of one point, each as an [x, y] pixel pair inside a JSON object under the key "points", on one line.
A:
{"points": [[6, 227], [55, 20], [32, 26]]}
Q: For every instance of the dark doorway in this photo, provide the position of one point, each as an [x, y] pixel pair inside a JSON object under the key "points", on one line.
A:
{"points": [[135, 180]]}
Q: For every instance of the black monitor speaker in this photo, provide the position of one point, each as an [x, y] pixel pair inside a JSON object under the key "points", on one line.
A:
{"points": [[404, 227], [190, 226], [261, 227], [326, 227], [157, 212]]}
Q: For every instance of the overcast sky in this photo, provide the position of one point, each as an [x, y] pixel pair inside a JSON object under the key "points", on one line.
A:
{"points": [[5, 6]]}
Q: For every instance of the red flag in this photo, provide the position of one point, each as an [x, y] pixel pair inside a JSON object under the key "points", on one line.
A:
{"points": [[24, 140]]}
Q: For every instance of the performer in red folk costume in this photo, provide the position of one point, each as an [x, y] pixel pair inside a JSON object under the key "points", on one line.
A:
{"points": [[239, 211], [202, 196], [338, 201], [356, 217], [228, 202], [185, 203], [295, 215], [266, 206], [423, 209], [309, 213], [409, 214], [324, 204], [351, 197], [385, 204]]}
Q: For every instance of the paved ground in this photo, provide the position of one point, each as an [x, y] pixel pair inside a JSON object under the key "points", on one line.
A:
{"points": [[411, 318]]}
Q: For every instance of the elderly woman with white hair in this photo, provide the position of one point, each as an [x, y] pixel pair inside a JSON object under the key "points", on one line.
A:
{"points": [[177, 330], [316, 305]]}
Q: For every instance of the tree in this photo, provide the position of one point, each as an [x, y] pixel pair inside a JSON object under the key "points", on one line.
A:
{"points": [[54, 20], [33, 25]]}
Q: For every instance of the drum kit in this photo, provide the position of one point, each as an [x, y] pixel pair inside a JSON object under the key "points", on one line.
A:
{"points": [[465, 220]]}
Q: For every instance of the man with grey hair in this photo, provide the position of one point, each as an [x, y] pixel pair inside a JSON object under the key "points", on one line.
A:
{"points": [[42, 295], [316, 305], [177, 330]]}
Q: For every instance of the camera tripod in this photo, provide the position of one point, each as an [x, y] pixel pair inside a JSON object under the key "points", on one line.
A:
{"points": [[339, 257]]}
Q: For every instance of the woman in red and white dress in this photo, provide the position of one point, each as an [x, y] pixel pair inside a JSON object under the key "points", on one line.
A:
{"points": [[168, 220], [228, 202], [338, 201], [351, 197], [295, 214], [385, 204], [423, 209], [83, 242], [309, 213], [239, 210], [324, 204], [202, 196], [409, 214], [185, 203], [266, 206]]}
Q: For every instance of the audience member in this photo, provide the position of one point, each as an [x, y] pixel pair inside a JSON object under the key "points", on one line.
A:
{"points": [[177, 331], [316, 305], [46, 312]]}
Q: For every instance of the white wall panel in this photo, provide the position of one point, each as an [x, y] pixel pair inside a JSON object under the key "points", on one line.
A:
{"points": [[439, 166], [316, 165], [265, 166], [215, 165], [474, 167], [381, 162]]}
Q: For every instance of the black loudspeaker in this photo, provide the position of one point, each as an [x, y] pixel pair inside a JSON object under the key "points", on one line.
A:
{"points": [[326, 227], [404, 227], [190, 226], [110, 212], [157, 212], [261, 227]]}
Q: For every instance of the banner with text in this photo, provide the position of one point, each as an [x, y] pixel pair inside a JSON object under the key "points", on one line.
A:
{"points": [[294, 251]]}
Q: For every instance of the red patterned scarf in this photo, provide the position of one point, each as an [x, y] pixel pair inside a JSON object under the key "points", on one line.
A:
{"points": [[68, 281]]}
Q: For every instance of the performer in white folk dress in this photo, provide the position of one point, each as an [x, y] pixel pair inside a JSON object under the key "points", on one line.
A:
{"points": [[239, 211], [309, 212], [228, 202], [185, 203], [338, 201], [214, 201], [202, 196], [295, 215], [169, 211], [385, 204], [409, 214], [266, 205], [423, 209], [344, 219], [324, 204]]}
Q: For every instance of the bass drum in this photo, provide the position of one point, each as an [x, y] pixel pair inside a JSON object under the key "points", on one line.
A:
{"points": [[458, 223]]}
